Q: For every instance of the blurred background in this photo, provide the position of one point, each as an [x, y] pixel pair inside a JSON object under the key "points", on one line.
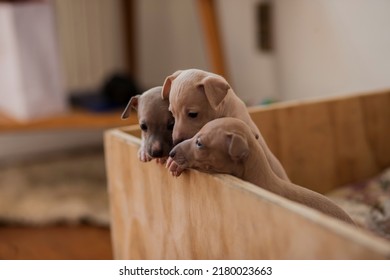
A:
{"points": [[268, 50], [58, 55]]}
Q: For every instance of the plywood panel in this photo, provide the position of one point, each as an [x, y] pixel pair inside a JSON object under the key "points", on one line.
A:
{"points": [[322, 144], [325, 144], [202, 216], [376, 117]]}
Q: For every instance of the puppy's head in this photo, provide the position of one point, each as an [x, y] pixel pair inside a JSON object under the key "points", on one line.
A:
{"points": [[221, 146], [155, 120], [195, 98]]}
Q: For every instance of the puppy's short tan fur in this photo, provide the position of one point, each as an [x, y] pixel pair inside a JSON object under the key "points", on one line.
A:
{"points": [[227, 145], [197, 97], [156, 123]]}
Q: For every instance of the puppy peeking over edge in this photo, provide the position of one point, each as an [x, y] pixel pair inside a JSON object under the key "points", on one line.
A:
{"points": [[156, 123], [197, 97], [227, 145]]}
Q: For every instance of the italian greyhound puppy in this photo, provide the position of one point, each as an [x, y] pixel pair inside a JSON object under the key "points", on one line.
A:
{"points": [[197, 97], [227, 145], [156, 123]]}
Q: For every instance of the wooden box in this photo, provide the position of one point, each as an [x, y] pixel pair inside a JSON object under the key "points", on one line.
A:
{"points": [[322, 144]]}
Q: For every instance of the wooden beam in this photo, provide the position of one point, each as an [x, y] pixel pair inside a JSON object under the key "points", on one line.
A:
{"points": [[208, 16], [129, 23]]}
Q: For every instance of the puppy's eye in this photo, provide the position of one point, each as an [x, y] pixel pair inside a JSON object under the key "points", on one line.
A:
{"points": [[192, 115], [198, 144], [143, 126], [170, 125]]}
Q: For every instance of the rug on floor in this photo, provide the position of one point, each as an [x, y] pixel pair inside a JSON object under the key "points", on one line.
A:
{"points": [[63, 188]]}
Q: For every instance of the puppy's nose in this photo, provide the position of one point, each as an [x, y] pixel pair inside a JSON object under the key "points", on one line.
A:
{"points": [[172, 153], [156, 149], [157, 153]]}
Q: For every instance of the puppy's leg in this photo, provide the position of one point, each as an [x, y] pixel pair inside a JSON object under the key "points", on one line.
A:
{"points": [[173, 167], [161, 160]]}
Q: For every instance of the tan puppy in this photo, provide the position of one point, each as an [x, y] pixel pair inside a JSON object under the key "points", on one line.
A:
{"points": [[197, 97], [156, 123], [227, 145]]}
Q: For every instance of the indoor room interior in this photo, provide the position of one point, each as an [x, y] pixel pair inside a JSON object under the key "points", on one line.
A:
{"points": [[69, 67]]}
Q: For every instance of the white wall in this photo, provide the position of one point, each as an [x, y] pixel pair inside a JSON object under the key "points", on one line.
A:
{"points": [[169, 38], [330, 47], [251, 71]]}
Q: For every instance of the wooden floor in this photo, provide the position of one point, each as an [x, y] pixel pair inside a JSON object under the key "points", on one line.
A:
{"points": [[55, 243]]}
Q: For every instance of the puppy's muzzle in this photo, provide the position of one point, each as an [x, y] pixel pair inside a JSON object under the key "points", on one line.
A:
{"points": [[178, 141], [157, 153], [172, 153], [156, 150]]}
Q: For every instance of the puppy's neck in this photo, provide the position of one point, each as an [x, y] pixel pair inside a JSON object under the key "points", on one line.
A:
{"points": [[258, 171], [232, 106]]}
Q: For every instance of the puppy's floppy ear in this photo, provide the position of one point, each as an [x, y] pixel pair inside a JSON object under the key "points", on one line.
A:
{"points": [[166, 88], [237, 147], [133, 103], [215, 89]]}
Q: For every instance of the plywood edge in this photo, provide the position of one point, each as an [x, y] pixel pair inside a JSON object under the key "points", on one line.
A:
{"points": [[349, 232], [316, 100], [331, 226], [126, 133]]}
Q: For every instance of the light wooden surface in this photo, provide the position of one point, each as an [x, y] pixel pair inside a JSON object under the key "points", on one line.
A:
{"points": [[202, 216], [78, 119], [328, 143]]}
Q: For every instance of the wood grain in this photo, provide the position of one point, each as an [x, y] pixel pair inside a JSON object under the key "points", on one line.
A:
{"points": [[200, 216], [325, 144]]}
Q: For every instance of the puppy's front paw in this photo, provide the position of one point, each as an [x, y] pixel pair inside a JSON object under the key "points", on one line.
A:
{"points": [[161, 160], [173, 167], [143, 155]]}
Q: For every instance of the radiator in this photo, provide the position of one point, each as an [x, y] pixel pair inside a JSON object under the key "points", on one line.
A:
{"points": [[91, 41]]}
